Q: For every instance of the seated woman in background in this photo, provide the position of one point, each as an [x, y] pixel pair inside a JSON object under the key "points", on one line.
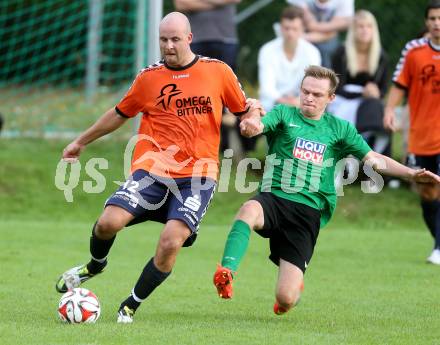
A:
{"points": [[362, 67]]}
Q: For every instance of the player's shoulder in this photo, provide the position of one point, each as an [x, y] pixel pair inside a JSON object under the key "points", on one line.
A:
{"points": [[153, 67], [150, 69], [209, 61], [415, 45]]}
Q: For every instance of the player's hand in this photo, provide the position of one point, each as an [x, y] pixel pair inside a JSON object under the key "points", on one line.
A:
{"points": [[72, 152], [428, 184], [255, 105], [425, 176], [255, 109], [251, 127], [389, 119]]}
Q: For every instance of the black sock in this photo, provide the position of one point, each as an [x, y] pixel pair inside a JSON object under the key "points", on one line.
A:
{"points": [[99, 250], [437, 226], [430, 210], [149, 279], [131, 303]]}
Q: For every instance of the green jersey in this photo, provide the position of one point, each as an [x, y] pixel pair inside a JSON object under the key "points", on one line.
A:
{"points": [[303, 154]]}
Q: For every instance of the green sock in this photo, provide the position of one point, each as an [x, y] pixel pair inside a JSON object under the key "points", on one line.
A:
{"points": [[236, 245]]}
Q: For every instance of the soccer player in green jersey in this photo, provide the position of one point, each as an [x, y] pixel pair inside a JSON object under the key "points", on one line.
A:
{"points": [[297, 194]]}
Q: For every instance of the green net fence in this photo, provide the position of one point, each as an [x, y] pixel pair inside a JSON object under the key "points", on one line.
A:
{"points": [[44, 42], [45, 61]]}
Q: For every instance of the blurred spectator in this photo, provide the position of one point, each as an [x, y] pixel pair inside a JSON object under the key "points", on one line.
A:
{"points": [[324, 20], [282, 61], [362, 66], [215, 35]]}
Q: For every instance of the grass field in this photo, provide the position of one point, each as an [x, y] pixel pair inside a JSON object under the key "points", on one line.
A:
{"points": [[367, 283]]}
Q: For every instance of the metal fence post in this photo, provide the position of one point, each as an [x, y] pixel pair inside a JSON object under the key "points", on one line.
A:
{"points": [[93, 48]]}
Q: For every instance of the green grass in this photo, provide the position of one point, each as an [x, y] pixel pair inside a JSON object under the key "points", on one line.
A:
{"points": [[367, 282], [47, 109]]}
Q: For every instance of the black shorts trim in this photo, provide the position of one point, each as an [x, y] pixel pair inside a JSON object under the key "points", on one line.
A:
{"points": [[292, 229]]}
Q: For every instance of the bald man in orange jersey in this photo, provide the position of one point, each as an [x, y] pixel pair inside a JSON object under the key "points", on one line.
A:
{"points": [[175, 161]]}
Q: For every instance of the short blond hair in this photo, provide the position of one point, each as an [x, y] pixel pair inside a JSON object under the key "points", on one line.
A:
{"points": [[319, 72]]}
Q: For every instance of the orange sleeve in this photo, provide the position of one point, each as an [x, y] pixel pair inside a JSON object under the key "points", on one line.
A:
{"points": [[132, 103], [233, 95], [402, 75]]}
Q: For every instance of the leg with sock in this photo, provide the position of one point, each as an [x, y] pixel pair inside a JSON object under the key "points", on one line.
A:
{"points": [[236, 245], [235, 248], [78, 275], [431, 215], [430, 210], [437, 226], [250, 216], [149, 279], [99, 249]]}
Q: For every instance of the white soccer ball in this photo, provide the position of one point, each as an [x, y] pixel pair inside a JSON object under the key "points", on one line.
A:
{"points": [[79, 306]]}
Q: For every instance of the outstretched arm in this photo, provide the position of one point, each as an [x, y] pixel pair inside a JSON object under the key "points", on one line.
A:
{"points": [[388, 166], [107, 123], [427, 182]]}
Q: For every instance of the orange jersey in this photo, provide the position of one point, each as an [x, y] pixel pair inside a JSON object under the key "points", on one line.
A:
{"points": [[418, 71], [179, 134]]}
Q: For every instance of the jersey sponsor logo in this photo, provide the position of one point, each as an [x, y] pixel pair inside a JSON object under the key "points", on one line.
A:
{"points": [[193, 202], [167, 93], [431, 76], [428, 72], [308, 150], [195, 105]]}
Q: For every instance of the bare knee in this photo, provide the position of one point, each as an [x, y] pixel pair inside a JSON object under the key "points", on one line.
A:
{"points": [[173, 236], [170, 244], [111, 221], [251, 212], [288, 298], [290, 284], [106, 228]]}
